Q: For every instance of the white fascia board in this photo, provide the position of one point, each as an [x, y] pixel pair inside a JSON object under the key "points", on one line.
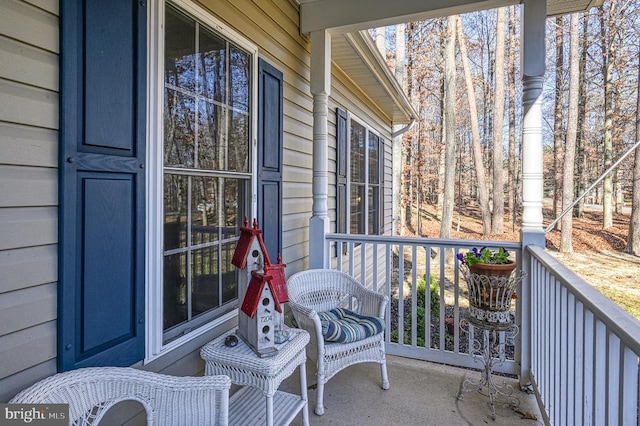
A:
{"points": [[355, 15]]}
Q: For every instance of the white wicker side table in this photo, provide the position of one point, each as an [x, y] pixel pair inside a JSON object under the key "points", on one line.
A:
{"points": [[261, 378]]}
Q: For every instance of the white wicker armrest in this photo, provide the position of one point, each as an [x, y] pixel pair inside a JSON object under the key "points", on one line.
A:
{"points": [[309, 320], [372, 303], [167, 400]]}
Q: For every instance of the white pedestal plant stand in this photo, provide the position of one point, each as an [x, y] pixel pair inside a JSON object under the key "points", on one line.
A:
{"points": [[490, 314]]}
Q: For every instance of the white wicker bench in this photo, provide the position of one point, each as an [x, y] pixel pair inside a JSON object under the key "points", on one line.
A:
{"points": [[167, 400]]}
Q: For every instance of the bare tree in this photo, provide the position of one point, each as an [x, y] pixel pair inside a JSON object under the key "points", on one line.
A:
{"points": [[607, 71], [633, 244], [450, 125], [483, 193], [566, 245], [498, 121], [558, 136], [581, 157], [511, 72]]}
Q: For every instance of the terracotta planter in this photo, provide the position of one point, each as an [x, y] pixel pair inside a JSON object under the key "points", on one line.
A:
{"points": [[491, 270]]}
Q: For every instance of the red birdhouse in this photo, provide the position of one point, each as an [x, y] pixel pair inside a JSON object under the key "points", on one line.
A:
{"points": [[262, 290]]}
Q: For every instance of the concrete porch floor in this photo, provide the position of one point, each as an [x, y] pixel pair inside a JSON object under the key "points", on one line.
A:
{"points": [[421, 393]]}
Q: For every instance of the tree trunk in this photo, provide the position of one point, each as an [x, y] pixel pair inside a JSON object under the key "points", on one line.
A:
{"points": [[633, 244], [558, 136], [511, 184], [581, 158], [498, 121], [483, 193], [607, 54], [450, 125], [566, 245]]}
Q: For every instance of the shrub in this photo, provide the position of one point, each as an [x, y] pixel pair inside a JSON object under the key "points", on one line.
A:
{"points": [[434, 290]]}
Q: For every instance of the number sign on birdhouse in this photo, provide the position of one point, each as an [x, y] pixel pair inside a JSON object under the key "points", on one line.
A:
{"points": [[262, 290]]}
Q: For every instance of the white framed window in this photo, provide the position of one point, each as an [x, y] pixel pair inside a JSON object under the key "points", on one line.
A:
{"points": [[202, 126], [360, 176]]}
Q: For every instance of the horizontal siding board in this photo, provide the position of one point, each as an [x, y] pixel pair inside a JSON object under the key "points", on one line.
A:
{"points": [[26, 348], [51, 6], [26, 308], [28, 186], [10, 386], [28, 146], [27, 227], [297, 174], [28, 64], [28, 267], [28, 105], [30, 24]]}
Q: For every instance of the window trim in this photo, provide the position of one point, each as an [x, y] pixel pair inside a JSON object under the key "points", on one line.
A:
{"points": [[154, 346], [369, 129]]}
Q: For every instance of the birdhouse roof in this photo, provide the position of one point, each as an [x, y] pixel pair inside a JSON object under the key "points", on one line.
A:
{"points": [[247, 236], [255, 291]]}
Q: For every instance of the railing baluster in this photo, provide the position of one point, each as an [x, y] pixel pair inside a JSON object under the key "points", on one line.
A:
{"points": [[627, 410]]}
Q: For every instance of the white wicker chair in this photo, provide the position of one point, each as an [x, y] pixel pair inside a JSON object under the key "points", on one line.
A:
{"points": [[167, 400], [319, 290]]}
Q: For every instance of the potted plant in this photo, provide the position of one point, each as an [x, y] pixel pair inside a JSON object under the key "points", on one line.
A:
{"points": [[488, 275], [492, 263]]}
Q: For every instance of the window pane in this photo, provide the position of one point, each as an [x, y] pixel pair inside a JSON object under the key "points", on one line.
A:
{"points": [[229, 274], [239, 79], [175, 211], [374, 208], [212, 66], [357, 209], [179, 51], [211, 136], [206, 286], [204, 209], [374, 155], [179, 137], [175, 290], [239, 142], [234, 213], [358, 139]]}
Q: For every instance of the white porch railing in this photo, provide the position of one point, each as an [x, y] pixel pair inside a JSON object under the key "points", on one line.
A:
{"points": [[405, 269], [584, 349]]}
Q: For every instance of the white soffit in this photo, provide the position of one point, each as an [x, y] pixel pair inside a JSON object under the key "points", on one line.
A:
{"points": [[357, 56]]}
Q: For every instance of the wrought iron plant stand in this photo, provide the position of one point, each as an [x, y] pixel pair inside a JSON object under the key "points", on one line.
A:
{"points": [[490, 313]]}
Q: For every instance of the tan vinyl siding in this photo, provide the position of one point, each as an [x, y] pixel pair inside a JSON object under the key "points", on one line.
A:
{"points": [[29, 74], [28, 192]]}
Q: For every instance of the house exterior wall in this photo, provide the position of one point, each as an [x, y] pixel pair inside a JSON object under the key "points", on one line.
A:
{"points": [[29, 108], [28, 192]]}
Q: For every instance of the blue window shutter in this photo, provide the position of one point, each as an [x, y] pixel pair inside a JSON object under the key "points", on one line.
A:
{"points": [[381, 204], [102, 183], [341, 171], [270, 133]]}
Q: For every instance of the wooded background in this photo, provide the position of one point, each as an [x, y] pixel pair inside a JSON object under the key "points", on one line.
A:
{"points": [[462, 74]]}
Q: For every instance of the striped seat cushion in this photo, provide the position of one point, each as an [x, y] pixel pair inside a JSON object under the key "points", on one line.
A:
{"points": [[343, 326]]}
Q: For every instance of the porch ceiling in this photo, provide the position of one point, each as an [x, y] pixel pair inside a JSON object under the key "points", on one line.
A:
{"points": [[356, 55], [354, 15]]}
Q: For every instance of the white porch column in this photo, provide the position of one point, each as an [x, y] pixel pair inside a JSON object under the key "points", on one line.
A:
{"points": [[320, 89], [534, 15]]}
